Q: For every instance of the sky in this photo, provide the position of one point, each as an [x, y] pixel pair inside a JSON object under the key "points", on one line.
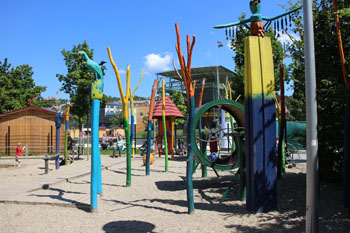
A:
{"points": [[139, 33]]}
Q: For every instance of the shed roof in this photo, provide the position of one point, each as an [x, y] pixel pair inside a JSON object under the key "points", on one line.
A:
{"points": [[208, 72], [28, 108], [170, 108]]}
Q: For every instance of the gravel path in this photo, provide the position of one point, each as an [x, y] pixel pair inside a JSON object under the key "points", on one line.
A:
{"points": [[157, 203]]}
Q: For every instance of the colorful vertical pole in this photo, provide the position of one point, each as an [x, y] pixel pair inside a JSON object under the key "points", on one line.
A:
{"points": [[190, 89], [96, 95], [125, 100], [260, 125], [132, 130], [132, 114], [165, 132], [282, 128], [58, 123], [66, 128], [201, 135], [228, 93], [149, 125]]}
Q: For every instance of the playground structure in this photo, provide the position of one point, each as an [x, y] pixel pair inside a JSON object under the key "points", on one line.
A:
{"points": [[133, 113], [149, 126], [96, 95], [190, 90], [260, 131], [171, 113], [125, 100], [66, 129]]}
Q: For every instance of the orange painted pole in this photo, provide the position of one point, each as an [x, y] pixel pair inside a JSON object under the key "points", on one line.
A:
{"points": [[186, 72], [340, 43], [149, 125]]}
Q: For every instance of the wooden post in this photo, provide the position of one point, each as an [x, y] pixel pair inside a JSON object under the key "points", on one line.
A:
{"points": [[149, 126], [172, 139], [186, 72], [125, 100], [260, 125], [8, 140], [51, 139]]}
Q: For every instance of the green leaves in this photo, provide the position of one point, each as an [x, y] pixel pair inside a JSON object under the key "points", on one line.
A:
{"points": [[178, 99], [331, 92], [77, 80], [17, 86]]}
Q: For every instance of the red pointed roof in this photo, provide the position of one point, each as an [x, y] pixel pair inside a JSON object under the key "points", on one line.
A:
{"points": [[170, 109]]}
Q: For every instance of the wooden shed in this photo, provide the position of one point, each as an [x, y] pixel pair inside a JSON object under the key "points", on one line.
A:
{"points": [[31, 126]]}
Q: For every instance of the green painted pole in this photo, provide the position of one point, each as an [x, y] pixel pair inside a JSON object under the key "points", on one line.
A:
{"points": [[164, 127], [189, 170], [242, 167], [203, 148], [128, 152]]}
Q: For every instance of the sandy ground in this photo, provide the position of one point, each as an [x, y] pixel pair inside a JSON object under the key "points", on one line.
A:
{"points": [[157, 203]]}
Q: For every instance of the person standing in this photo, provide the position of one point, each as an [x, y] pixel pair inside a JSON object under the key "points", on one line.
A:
{"points": [[19, 153]]}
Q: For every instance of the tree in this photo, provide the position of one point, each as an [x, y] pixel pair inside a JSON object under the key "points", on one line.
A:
{"points": [[77, 81], [331, 92], [17, 86], [117, 119], [178, 99]]}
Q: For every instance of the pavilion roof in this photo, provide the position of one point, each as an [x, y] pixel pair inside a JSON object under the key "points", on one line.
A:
{"points": [[170, 109]]}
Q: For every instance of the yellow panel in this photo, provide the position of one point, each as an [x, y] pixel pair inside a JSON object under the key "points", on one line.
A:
{"points": [[253, 66], [267, 69], [246, 70]]}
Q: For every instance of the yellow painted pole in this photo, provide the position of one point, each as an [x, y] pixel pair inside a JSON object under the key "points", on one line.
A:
{"points": [[132, 114], [125, 100]]}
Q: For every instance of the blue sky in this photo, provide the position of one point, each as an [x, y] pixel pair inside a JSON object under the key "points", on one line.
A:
{"points": [[140, 33]]}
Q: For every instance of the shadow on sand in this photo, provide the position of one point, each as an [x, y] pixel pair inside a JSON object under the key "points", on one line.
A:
{"points": [[131, 226]]}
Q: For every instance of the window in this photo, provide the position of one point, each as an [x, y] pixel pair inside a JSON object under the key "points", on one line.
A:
{"points": [[141, 113]]}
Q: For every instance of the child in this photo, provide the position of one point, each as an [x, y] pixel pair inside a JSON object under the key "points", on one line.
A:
{"points": [[19, 153], [120, 146]]}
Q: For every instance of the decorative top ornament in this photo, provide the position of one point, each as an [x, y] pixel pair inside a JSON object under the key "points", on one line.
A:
{"points": [[257, 27], [97, 85]]}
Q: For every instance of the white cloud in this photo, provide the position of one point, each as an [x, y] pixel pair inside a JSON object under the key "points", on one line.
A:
{"points": [[158, 62], [122, 71]]}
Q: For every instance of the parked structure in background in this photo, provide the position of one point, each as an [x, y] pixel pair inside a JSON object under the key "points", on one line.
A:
{"points": [[31, 126]]}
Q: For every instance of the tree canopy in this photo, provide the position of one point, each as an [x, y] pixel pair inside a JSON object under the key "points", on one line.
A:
{"points": [[17, 86], [331, 91], [77, 81], [178, 99]]}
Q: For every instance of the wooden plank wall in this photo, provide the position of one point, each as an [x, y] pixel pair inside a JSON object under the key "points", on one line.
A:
{"points": [[33, 128]]}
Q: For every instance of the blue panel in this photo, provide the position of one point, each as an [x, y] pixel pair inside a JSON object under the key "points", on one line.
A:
{"points": [[270, 202]]}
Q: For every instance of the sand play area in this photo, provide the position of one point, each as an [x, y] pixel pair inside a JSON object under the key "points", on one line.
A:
{"points": [[32, 201]]}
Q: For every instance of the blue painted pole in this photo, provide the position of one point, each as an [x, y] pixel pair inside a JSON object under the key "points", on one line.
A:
{"points": [[149, 142], [58, 135], [58, 123], [132, 128], [95, 174]]}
